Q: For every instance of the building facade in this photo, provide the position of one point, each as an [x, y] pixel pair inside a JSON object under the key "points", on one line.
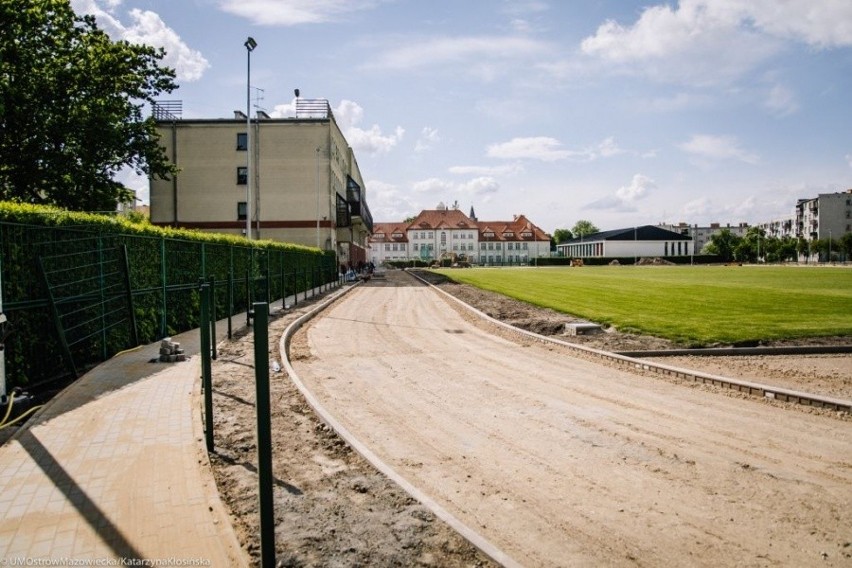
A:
{"points": [[448, 233], [638, 242], [701, 235], [306, 187], [829, 215]]}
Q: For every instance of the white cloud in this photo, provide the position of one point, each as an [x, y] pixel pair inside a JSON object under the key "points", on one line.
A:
{"points": [[432, 186], [624, 199], [716, 41], [677, 102], [638, 188], [706, 147], [508, 169], [147, 28], [371, 141], [549, 149], [606, 149], [481, 54], [284, 110], [388, 203], [536, 148], [822, 24], [443, 190], [480, 186], [428, 138], [781, 101], [349, 115], [705, 210], [692, 43], [294, 12]]}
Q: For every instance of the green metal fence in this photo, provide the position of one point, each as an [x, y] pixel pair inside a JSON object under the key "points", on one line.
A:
{"points": [[75, 297]]}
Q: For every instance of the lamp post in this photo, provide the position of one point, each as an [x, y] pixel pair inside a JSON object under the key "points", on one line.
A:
{"points": [[635, 244], [829, 246], [318, 198], [250, 45]]}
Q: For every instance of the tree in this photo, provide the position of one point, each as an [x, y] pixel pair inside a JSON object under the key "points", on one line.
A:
{"points": [[583, 228], [71, 110], [845, 245], [723, 244], [562, 235], [803, 248]]}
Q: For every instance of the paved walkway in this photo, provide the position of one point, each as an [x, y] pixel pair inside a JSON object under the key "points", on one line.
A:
{"points": [[115, 468]]}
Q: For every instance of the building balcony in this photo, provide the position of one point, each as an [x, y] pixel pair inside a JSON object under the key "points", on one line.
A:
{"points": [[358, 208]]}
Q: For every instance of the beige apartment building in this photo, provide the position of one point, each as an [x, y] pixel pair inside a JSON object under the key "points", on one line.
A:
{"points": [[306, 187]]}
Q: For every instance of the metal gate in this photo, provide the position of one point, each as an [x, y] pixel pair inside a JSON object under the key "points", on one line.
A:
{"points": [[91, 303]]}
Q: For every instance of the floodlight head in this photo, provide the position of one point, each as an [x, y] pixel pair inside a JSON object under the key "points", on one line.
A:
{"points": [[296, 92], [250, 44]]}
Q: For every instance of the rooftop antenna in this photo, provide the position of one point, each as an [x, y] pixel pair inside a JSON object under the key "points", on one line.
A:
{"points": [[258, 96]]}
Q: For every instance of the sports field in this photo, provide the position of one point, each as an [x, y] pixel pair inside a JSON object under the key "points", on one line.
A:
{"points": [[699, 305]]}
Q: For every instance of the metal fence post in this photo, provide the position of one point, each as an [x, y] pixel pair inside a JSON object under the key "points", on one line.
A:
{"points": [[248, 300], [212, 281], [164, 284], [206, 371], [264, 435], [230, 293]]}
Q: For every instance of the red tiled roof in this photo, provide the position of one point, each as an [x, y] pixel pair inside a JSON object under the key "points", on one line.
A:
{"points": [[431, 219], [384, 233], [517, 227], [437, 219]]}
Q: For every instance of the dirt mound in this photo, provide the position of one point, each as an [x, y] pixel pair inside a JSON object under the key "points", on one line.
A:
{"points": [[656, 261]]}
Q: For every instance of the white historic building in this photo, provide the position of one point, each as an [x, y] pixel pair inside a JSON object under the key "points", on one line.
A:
{"points": [[449, 233]]}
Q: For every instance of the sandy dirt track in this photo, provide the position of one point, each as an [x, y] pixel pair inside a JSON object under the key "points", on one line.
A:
{"points": [[562, 462]]}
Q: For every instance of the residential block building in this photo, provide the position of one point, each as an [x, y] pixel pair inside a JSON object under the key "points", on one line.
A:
{"points": [[829, 215], [701, 235], [306, 187], [448, 233]]}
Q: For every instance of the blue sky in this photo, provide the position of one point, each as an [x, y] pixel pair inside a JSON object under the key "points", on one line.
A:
{"points": [[619, 112]]}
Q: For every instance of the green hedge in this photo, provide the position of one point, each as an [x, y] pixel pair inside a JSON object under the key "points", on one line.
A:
{"points": [[82, 255]]}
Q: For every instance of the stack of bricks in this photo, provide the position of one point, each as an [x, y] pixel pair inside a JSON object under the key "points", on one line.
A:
{"points": [[171, 351]]}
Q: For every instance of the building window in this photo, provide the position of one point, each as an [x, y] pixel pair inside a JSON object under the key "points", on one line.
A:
{"points": [[242, 141], [416, 246], [241, 211], [387, 246], [242, 175]]}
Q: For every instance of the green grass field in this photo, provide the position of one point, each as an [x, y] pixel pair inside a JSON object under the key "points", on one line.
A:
{"points": [[691, 305]]}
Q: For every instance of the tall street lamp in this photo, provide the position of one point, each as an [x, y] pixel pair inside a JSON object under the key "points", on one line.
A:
{"points": [[318, 197], [250, 45], [829, 246]]}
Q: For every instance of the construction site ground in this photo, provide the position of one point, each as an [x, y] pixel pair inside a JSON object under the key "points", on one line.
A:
{"points": [[556, 464]]}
